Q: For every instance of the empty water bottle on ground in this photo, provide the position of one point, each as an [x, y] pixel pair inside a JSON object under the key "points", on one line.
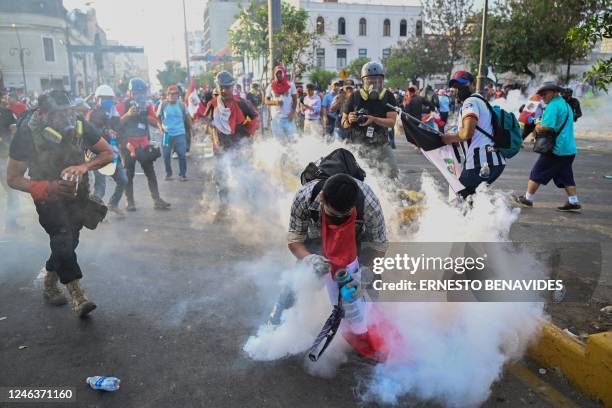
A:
{"points": [[354, 308], [101, 382]]}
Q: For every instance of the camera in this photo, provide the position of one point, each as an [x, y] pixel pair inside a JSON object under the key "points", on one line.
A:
{"points": [[362, 116], [141, 107]]}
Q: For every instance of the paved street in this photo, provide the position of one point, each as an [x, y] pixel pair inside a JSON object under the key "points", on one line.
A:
{"points": [[174, 310]]}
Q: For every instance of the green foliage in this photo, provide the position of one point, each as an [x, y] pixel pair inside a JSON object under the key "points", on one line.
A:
{"points": [[595, 29], [171, 74], [206, 78], [293, 42], [417, 57], [354, 67], [322, 78], [521, 33]]}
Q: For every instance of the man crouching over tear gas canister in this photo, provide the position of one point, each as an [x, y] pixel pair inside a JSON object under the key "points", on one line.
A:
{"points": [[336, 223], [50, 144]]}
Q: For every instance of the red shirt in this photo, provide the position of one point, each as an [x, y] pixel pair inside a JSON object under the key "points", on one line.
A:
{"points": [[18, 108]]}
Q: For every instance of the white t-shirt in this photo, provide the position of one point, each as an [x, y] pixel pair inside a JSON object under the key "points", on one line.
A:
{"points": [[281, 112], [475, 150]]}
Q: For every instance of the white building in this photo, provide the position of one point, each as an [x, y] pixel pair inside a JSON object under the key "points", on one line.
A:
{"points": [[353, 28], [197, 47], [219, 15]]}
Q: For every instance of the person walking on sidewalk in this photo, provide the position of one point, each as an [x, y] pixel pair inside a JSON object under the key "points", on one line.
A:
{"points": [[174, 120], [558, 119]]}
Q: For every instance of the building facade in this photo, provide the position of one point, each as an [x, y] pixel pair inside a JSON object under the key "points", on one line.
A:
{"points": [[352, 29], [219, 15], [197, 47]]}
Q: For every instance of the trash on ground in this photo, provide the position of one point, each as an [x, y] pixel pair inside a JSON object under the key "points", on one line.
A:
{"points": [[542, 371], [2, 318], [100, 382], [22, 347], [606, 309]]}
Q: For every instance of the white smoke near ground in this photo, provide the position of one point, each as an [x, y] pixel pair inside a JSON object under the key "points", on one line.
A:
{"points": [[456, 351]]}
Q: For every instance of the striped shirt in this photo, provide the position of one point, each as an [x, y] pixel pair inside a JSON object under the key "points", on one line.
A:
{"points": [[480, 148], [302, 226]]}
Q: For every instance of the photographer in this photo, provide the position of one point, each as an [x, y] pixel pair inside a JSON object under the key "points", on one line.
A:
{"points": [[136, 131], [367, 118], [50, 145]]}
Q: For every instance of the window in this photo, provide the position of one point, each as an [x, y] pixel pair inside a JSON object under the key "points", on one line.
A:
{"points": [[320, 58], [387, 28], [341, 26], [341, 58], [48, 49], [403, 28], [320, 25], [363, 52], [386, 53], [419, 28], [362, 26]]}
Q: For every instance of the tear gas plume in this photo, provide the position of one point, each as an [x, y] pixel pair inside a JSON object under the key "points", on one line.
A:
{"points": [[456, 350]]}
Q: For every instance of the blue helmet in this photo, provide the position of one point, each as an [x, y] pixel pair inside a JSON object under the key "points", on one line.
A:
{"points": [[138, 85]]}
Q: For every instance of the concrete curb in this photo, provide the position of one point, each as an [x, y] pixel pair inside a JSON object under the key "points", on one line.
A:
{"points": [[587, 365]]}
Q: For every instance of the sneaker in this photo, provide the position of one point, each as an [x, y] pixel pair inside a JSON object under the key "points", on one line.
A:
{"points": [[522, 201], [183, 178], [175, 155], [168, 178], [570, 207], [161, 204], [131, 207], [187, 153], [114, 209]]}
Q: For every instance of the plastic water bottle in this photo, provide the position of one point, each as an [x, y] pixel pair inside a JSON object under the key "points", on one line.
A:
{"points": [[354, 308], [101, 382], [485, 171]]}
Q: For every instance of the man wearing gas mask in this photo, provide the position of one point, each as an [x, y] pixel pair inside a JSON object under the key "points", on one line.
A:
{"points": [[135, 128], [50, 145], [367, 115]]}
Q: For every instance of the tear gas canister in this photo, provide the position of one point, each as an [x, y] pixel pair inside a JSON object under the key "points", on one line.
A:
{"points": [[354, 308]]}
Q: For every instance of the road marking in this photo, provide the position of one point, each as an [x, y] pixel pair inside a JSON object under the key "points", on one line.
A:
{"points": [[540, 386]]}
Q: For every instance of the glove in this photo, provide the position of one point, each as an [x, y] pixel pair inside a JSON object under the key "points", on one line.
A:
{"points": [[356, 285], [42, 190], [319, 264]]}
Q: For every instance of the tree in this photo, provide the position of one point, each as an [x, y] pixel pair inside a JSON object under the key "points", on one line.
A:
{"points": [[449, 20], [418, 57], [293, 42], [321, 77], [354, 67], [206, 78], [172, 73], [587, 35]]}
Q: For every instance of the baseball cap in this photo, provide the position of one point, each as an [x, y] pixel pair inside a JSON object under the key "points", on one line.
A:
{"points": [[461, 77]]}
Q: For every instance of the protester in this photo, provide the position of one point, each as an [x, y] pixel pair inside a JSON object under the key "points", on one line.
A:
{"points": [[135, 127], [174, 119], [59, 186], [557, 165], [255, 97], [330, 116], [16, 106], [499, 92], [299, 115], [574, 103], [311, 108], [234, 122], [367, 115], [340, 99], [8, 123], [483, 162], [281, 97], [105, 118], [444, 107], [415, 105]]}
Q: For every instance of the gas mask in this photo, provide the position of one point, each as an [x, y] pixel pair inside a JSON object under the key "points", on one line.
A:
{"points": [[107, 105], [373, 86], [463, 92], [61, 126]]}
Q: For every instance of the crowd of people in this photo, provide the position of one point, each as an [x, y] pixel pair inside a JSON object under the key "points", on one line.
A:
{"points": [[48, 148]]}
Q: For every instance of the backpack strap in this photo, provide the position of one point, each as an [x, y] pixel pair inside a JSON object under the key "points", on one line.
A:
{"points": [[492, 112], [564, 122]]}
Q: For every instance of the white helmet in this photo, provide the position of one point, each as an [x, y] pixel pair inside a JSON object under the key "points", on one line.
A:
{"points": [[104, 90]]}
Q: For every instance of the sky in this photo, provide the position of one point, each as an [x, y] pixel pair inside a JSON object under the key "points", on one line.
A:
{"points": [[157, 26]]}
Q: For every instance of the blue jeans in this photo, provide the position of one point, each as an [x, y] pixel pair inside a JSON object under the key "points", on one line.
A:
{"points": [[283, 129], [121, 180], [12, 199], [179, 145]]}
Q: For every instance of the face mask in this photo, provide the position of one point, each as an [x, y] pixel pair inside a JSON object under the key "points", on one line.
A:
{"points": [[337, 219], [107, 105], [463, 92], [373, 85]]}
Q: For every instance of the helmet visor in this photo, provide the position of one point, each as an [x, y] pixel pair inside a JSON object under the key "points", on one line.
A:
{"points": [[373, 83]]}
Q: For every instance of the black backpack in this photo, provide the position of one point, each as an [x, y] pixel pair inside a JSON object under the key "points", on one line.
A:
{"points": [[337, 162]]}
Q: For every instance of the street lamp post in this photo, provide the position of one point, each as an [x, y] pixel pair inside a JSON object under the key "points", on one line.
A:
{"points": [[21, 51], [274, 22], [480, 80], [186, 43]]}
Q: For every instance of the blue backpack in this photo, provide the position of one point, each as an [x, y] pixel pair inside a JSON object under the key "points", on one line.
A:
{"points": [[506, 130]]}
